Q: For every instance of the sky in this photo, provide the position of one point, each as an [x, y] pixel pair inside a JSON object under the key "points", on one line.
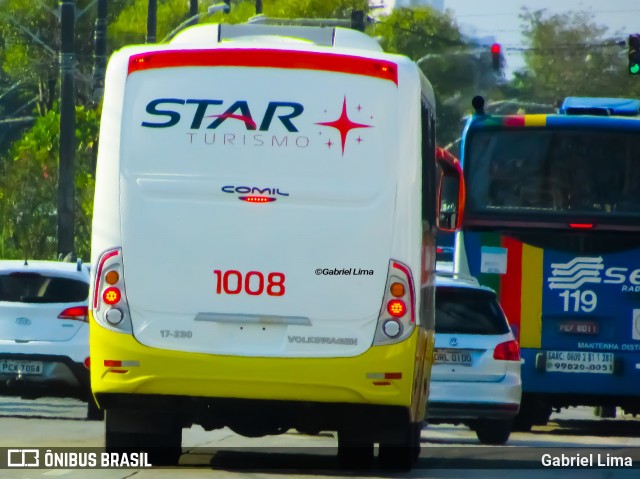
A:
{"points": [[500, 18]]}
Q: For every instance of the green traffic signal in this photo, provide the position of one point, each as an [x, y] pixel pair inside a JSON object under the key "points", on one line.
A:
{"points": [[634, 53]]}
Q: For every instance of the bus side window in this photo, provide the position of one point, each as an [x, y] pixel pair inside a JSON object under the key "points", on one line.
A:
{"points": [[428, 164]]}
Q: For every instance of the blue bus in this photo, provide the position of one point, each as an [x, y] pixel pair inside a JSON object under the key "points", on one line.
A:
{"points": [[552, 223]]}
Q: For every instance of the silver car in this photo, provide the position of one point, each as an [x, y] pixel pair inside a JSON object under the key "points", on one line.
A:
{"points": [[475, 379]]}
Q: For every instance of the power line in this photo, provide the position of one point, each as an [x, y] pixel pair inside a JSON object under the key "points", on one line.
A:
{"points": [[502, 13]]}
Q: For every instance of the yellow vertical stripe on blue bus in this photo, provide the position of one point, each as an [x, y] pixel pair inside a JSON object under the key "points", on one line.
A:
{"points": [[531, 297], [535, 120]]}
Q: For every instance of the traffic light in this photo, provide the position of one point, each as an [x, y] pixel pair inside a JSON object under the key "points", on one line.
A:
{"points": [[358, 20], [496, 56], [634, 54]]}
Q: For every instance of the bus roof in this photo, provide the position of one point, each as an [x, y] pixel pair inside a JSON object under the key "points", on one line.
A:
{"points": [[556, 121], [574, 105]]}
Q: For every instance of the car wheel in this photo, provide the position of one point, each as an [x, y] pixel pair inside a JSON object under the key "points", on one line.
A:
{"points": [[132, 431], [402, 456], [494, 432], [94, 413]]}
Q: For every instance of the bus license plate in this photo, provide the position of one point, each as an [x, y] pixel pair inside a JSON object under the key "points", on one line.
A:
{"points": [[8, 366], [579, 362], [452, 356]]}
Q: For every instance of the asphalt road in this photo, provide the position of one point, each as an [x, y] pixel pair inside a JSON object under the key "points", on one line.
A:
{"points": [[448, 451]]}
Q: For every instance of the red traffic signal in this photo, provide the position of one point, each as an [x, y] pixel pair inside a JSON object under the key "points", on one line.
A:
{"points": [[496, 56]]}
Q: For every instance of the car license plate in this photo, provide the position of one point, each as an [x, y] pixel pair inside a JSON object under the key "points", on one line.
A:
{"points": [[579, 362], [452, 356], [9, 366]]}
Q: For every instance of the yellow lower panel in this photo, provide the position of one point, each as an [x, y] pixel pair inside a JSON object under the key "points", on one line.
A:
{"points": [[163, 371]]}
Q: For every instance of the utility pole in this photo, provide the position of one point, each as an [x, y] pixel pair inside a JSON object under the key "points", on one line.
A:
{"points": [[100, 56], [193, 12], [258, 7], [152, 21], [66, 173]]}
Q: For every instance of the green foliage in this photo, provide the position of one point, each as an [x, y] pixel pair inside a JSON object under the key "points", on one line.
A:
{"points": [[130, 25], [29, 183], [457, 70], [313, 8], [570, 55], [418, 32]]}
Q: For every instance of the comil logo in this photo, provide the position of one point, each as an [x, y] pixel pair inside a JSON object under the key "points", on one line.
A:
{"points": [[575, 273]]}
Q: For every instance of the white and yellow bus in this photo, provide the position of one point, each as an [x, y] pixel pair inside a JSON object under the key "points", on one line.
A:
{"points": [[263, 240]]}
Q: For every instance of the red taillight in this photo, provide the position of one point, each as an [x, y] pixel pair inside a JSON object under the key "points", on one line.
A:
{"points": [[112, 363], [87, 362], [507, 351], [396, 308], [103, 259], [256, 199], [111, 295], [409, 278], [78, 313], [581, 226]]}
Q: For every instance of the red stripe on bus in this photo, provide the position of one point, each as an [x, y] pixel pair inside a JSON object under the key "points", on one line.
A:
{"points": [[513, 120], [511, 283], [232, 57]]}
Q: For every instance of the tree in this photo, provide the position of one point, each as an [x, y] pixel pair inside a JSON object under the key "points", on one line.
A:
{"points": [[570, 55], [29, 183], [457, 69]]}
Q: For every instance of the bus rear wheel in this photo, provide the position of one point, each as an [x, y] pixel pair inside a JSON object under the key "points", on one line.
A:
{"points": [[402, 456], [160, 436], [354, 453]]}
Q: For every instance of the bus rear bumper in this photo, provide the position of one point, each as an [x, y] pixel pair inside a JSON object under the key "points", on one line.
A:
{"points": [[123, 370]]}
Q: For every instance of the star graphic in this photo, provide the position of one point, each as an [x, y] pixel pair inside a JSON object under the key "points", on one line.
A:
{"points": [[343, 124]]}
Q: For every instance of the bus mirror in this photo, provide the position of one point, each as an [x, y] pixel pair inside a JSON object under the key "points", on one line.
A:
{"points": [[450, 201]]}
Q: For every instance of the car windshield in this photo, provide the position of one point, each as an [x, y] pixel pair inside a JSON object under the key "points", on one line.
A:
{"points": [[41, 288], [468, 311]]}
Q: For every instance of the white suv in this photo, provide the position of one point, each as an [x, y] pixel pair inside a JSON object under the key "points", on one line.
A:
{"points": [[44, 333], [475, 379]]}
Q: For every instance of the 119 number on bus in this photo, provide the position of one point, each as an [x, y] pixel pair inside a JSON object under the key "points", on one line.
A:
{"points": [[585, 301]]}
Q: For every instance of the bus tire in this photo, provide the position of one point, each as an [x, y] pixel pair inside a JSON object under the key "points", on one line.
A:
{"points": [[158, 436], [401, 456], [94, 413], [354, 454], [605, 412], [495, 432]]}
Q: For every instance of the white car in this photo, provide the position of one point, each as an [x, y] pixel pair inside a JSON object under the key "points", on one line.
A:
{"points": [[475, 378], [44, 333]]}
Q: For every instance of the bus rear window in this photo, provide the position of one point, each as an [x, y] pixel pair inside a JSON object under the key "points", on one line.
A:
{"points": [[468, 311], [562, 171]]}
